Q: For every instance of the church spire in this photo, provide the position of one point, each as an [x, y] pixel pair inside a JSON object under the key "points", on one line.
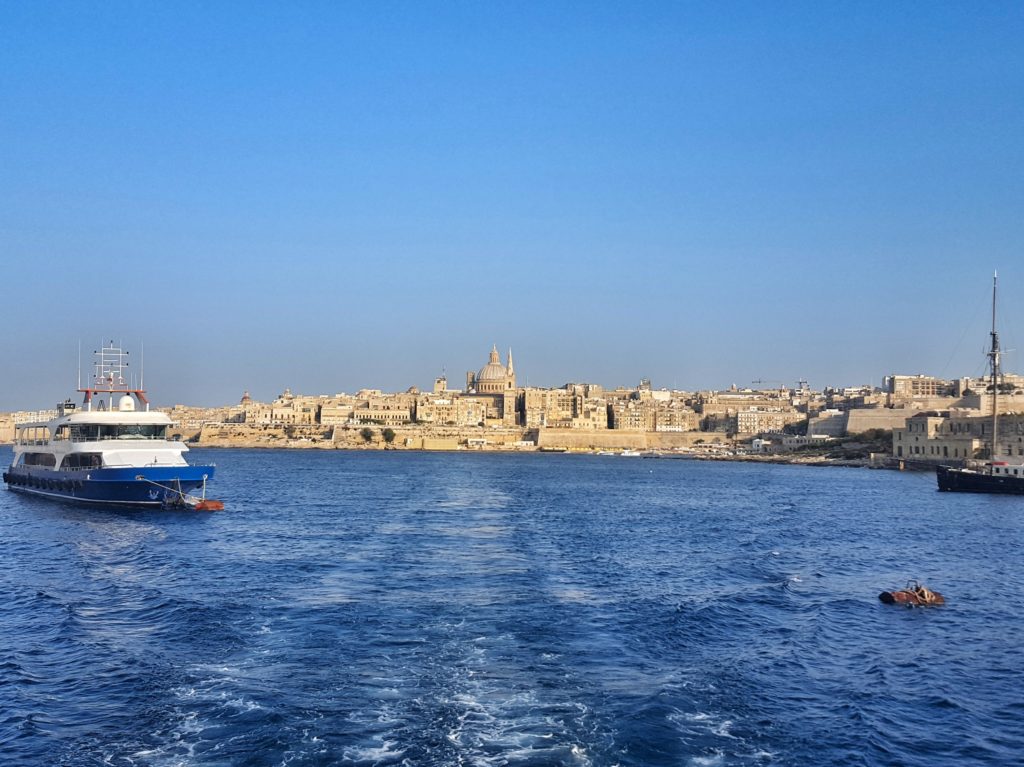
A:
{"points": [[511, 370]]}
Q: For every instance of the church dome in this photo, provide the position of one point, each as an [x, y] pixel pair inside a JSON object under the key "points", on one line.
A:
{"points": [[493, 370]]}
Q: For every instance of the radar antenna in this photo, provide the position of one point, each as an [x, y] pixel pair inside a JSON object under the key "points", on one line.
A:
{"points": [[111, 364]]}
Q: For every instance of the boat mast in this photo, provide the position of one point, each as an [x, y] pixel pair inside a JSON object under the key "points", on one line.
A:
{"points": [[111, 366], [994, 357]]}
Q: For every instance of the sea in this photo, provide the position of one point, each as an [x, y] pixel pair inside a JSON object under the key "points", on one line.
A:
{"points": [[395, 608]]}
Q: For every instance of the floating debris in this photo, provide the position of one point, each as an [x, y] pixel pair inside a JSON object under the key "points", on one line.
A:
{"points": [[914, 595]]}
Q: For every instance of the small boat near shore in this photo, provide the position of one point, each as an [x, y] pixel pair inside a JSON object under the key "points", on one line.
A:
{"points": [[109, 452]]}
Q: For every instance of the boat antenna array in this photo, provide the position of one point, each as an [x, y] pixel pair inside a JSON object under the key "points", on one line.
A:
{"points": [[111, 367]]}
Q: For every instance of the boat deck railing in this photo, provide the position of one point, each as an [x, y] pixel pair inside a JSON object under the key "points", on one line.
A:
{"points": [[156, 465]]}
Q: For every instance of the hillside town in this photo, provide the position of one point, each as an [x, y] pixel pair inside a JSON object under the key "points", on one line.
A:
{"points": [[921, 419]]}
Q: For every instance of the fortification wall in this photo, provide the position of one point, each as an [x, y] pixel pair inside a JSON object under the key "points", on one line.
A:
{"points": [[602, 439], [668, 440], [411, 437], [862, 419], [259, 435], [829, 424], [424, 437]]}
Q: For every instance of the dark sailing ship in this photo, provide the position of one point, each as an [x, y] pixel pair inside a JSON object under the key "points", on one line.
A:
{"points": [[994, 476]]}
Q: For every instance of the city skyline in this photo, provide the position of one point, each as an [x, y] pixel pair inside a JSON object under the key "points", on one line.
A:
{"points": [[459, 383], [332, 198]]}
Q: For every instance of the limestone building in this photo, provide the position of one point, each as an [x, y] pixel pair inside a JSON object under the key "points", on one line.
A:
{"points": [[956, 436], [493, 378], [495, 386], [919, 386]]}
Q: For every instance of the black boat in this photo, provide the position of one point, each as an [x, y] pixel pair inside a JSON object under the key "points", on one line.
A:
{"points": [[994, 476]]}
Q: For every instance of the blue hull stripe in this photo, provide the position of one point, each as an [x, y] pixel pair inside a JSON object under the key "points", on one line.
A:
{"points": [[140, 486]]}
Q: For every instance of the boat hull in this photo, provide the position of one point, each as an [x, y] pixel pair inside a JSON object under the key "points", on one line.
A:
{"points": [[143, 486], [955, 480]]}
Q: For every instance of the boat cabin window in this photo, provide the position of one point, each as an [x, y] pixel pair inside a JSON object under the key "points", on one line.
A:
{"points": [[90, 432], [32, 435], [38, 459], [84, 432], [63, 432], [82, 461]]}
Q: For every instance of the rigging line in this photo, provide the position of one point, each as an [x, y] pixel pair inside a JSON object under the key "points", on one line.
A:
{"points": [[956, 347]]}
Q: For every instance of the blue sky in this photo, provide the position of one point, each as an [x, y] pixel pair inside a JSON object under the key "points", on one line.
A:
{"points": [[329, 196]]}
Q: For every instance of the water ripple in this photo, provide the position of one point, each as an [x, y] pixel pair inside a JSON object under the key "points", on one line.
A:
{"points": [[415, 609]]}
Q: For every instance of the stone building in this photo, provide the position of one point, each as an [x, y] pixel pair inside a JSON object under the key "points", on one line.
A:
{"points": [[495, 387], [493, 378], [674, 415], [956, 436], [385, 409], [632, 414], [552, 408], [338, 410], [902, 386], [287, 409], [438, 407], [760, 421], [720, 410]]}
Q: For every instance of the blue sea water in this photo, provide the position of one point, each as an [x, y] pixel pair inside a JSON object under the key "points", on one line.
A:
{"points": [[372, 608]]}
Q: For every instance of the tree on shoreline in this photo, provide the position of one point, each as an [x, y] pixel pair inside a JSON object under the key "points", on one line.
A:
{"points": [[366, 433]]}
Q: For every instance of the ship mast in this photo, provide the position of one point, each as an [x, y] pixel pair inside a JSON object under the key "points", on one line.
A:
{"points": [[994, 358], [109, 378]]}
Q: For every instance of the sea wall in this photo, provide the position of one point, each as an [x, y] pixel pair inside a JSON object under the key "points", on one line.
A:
{"points": [[259, 435], [432, 437], [410, 437], [620, 439]]}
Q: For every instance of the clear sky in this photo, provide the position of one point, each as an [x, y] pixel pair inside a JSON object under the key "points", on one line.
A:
{"points": [[330, 196]]}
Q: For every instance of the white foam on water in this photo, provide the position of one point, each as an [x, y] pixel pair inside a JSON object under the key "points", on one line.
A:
{"points": [[708, 761], [722, 730], [700, 716], [243, 705], [385, 751], [178, 751], [474, 498], [309, 746], [571, 595]]}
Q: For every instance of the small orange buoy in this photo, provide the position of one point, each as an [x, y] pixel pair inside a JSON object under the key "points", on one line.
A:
{"points": [[209, 505]]}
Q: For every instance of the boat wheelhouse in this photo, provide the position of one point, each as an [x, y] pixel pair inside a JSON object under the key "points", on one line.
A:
{"points": [[111, 451]]}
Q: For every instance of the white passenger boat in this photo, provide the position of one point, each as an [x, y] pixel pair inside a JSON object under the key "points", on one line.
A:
{"points": [[111, 451]]}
